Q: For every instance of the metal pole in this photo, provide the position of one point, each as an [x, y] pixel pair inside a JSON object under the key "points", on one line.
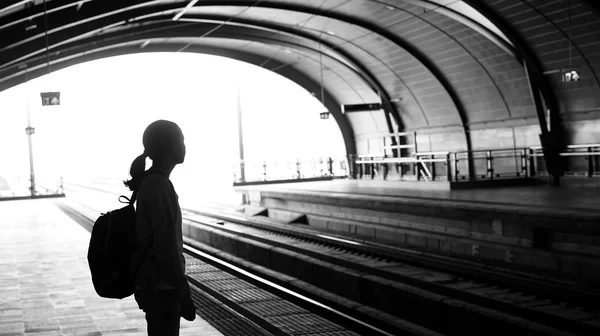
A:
{"points": [[456, 167], [448, 168], [490, 165], [590, 163], [240, 134], [30, 131], [532, 163], [524, 168]]}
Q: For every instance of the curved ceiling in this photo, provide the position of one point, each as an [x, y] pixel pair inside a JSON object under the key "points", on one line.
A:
{"points": [[435, 65]]}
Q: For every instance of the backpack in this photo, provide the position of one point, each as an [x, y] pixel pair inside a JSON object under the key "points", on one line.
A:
{"points": [[112, 245]]}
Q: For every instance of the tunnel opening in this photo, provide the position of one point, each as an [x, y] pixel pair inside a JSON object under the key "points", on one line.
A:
{"points": [[105, 105]]}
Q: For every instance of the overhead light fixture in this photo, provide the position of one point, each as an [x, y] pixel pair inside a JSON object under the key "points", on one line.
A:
{"points": [[396, 100], [189, 5], [389, 7], [330, 32], [145, 44], [287, 51], [30, 27]]}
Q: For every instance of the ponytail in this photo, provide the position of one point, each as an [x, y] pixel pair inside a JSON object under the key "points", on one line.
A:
{"points": [[138, 167]]}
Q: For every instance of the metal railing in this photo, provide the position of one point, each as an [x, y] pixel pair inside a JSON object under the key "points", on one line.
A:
{"points": [[490, 164], [20, 185], [49, 187], [582, 160], [275, 170]]}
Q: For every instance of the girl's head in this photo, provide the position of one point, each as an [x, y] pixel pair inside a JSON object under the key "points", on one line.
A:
{"points": [[163, 140], [163, 144]]}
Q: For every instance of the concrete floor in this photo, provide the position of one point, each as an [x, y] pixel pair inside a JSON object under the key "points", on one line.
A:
{"points": [[45, 282], [582, 195]]}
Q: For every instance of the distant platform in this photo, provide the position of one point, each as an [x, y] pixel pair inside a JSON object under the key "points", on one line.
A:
{"points": [[45, 283], [537, 228], [574, 195]]}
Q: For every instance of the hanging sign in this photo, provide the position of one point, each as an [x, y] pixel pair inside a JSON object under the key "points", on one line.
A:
{"points": [[324, 115], [50, 98], [570, 76], [361, 107]]}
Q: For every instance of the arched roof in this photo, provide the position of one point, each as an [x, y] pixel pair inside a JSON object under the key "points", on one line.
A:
{"points": [[436, 65]]}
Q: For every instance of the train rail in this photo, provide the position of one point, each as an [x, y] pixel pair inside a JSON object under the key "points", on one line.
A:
{"points": [[223, 292], [519, 300], [562, 305]]}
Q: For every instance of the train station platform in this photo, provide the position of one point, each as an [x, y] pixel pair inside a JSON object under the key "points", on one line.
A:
{"points": [[45, 284], [573, 196], [554, 230]]}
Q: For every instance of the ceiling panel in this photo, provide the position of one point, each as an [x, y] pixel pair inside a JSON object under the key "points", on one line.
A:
{"points": [[489, 82], [545, 27]]}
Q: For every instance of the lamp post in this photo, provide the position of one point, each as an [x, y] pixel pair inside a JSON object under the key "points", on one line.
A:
{"points": [[240, 132], [30, 131]]}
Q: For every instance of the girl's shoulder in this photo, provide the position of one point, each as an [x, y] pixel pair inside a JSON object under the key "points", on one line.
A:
{"points": [[154, 182]]}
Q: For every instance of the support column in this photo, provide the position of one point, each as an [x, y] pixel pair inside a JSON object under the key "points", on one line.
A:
{"points": [[552, 134]]}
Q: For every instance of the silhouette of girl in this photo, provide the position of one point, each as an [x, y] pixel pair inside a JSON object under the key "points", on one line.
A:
{"points": [[161, 288]]}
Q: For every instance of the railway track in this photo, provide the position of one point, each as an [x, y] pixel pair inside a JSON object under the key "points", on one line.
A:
{"points": [[529, 299], [434, 292], [238, 302]]}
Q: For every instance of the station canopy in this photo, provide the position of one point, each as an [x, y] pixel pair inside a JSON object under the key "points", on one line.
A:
{"points": [[435, 66]]}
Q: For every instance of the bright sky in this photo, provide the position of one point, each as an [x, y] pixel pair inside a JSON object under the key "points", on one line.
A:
{"points": [[107, 104]]}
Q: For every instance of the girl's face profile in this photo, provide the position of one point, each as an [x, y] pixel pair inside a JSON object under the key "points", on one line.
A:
{"points": [[180, 149]]}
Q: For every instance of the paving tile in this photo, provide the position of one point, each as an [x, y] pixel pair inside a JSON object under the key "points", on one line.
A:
{"points": [[46, 333], [12, 327], [45, 284], [11, 318]]}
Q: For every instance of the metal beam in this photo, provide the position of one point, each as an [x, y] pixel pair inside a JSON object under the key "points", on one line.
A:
{"points": [[412, 50], [63, 28], [14, 4], [159, 29], [463, 18], [118, 14], [66, 59], [354, 21], [304, 9], [285, 32], [538, 84], [363, 71]]}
